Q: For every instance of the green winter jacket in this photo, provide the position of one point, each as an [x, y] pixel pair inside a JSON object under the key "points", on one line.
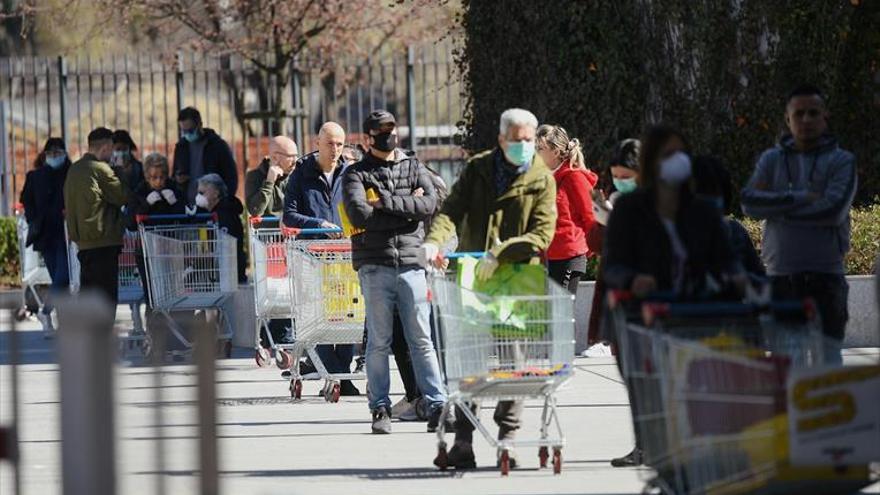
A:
{"points": [[93, 201], [515, 227], [264, 198]]}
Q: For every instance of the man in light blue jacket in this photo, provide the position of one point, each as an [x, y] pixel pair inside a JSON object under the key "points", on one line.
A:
{"points": [[804, 189]]}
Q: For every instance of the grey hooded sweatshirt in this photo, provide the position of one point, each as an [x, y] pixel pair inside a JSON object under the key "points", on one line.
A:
{"points": [[805, 198]]}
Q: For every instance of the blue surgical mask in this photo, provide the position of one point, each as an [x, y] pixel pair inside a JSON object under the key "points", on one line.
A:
{"points": [[191, 136], [625, 186], [520, 153], [120, 155], [56, 161]]}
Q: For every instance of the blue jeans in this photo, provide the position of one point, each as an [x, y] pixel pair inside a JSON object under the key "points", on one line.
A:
{"points": [[405, 287], [55, 256]]}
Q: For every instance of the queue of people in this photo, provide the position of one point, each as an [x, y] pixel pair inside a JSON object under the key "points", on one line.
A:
{"points": [[659, 220]]}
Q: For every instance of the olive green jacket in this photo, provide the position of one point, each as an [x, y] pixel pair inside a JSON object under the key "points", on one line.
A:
{"points": [[93, 201], [264, 198], [514, 227]]}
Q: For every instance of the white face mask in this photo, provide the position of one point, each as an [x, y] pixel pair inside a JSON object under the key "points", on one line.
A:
{"points": [[676, 169], [202, 201]]}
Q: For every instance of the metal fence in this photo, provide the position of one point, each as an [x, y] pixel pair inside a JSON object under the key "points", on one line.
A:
{"points": [[69, 96]]}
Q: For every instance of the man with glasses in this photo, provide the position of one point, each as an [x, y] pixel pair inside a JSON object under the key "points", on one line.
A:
{"points": [[265, 185]]}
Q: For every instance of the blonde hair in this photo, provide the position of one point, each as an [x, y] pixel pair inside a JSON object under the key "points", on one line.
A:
{"points": [[556, 138], [155, 160]]}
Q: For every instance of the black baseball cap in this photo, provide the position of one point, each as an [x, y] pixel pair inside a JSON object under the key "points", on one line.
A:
{"points": [[376, 120]]}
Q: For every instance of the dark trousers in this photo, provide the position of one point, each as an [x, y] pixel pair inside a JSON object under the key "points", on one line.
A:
{"points": [[400, 349], [336, 358], [99, 270], [829, 291], [507, 417], [568, 273], [55, 256]]}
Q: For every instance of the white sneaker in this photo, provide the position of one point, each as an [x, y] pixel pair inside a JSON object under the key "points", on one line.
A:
{"points": [[415, 412], [400, 408], [602, 349]]}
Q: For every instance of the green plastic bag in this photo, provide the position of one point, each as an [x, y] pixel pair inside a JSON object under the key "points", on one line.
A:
{"points": [[514, 319]]}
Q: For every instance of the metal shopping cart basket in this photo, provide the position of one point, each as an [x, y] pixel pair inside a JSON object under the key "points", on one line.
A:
{"points": [[34, 274], [130, 289], [272, 290], [505, 348], [191, 266], [707, 386], [326, 304]]}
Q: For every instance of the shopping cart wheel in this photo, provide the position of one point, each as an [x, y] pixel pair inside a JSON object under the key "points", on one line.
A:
{"points": [[442, 459], [21, 314], [262, 357], [283, 360], [543, 455], [504, 462], [296, 389], [557, 460]]}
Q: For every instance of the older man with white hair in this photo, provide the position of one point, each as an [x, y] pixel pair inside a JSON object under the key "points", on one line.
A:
{"points": [[504, 204], [265, 184]]}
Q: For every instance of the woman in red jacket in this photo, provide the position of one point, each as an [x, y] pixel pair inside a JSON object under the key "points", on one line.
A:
{"points": [[568, 252]]}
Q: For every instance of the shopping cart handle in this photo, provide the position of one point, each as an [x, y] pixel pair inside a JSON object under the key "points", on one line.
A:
{"points": [[465, 254], [296, 231], [176, 216], [258, 220]]}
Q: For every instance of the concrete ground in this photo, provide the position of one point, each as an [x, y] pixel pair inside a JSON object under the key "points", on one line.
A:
{"points": [[270, 444]]}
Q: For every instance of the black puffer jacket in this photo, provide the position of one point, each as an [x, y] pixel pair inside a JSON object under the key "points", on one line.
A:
{"points": [[394, 229]]}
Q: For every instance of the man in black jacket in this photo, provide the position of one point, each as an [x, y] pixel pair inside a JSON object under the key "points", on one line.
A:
{"points": [[389, 195], [199, 152]]}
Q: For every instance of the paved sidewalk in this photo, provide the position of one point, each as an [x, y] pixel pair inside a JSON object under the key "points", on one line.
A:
{"points": [[270, 444]]}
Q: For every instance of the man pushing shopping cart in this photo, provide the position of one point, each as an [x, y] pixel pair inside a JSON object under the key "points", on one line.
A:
{"points": [[504, 203]]}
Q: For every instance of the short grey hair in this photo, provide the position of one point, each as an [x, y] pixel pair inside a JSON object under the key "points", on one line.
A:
{"points": [[156, 160], [214, 181], [516, 117]]}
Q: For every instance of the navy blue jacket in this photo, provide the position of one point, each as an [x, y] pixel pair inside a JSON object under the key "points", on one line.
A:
{"points": [[43, 200], [309, 200]]}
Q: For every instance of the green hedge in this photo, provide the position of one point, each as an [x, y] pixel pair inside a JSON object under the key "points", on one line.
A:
{"points": [[719, 70], [9, 260]]}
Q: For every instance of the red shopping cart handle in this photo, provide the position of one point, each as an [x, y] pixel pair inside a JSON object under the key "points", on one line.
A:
{"points": [[175, 217], [259, 220], [336, 247]]}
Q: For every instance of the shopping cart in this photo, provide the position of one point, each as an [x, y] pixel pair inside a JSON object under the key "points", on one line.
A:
{"points": [[326, 304], [191, 266], [271, 288], [505, 348], [130, 290], [34, 275], [707, 387]]}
